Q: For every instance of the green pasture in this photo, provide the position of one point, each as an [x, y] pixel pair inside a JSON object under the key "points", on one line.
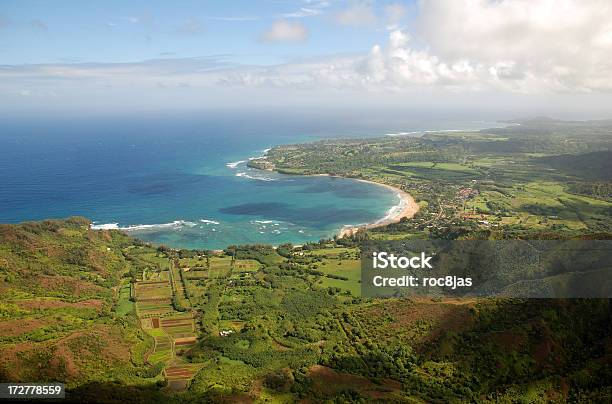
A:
{"points": [[124, 305], [332, 252], [350, 269]]}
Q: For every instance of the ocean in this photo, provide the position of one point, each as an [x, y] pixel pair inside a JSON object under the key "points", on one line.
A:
{"points": [[181, 179]]}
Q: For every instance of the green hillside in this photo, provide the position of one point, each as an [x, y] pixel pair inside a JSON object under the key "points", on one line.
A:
{"points": [[64, 314], [270, 327]]}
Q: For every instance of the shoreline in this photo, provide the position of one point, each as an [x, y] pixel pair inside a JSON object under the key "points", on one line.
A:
{"points": [[407, 207]]}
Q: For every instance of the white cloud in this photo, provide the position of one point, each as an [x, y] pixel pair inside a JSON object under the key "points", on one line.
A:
{"points": [[302, 12], [360, 14], [505, 48], [552, 45], [283, 31], [399, 66], [311, 8], [520, 46]]}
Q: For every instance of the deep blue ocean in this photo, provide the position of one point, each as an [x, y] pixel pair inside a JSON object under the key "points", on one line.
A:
{"points": [[182, 179]]}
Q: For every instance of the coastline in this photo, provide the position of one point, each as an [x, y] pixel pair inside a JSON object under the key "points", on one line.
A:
{"points": [[407, 207]]}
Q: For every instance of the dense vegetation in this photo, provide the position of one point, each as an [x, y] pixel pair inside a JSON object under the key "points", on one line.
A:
{"points": [[64, 315], [278, 328]]}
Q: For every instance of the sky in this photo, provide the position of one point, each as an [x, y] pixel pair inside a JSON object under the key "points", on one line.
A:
{"points": [[108, 56]]}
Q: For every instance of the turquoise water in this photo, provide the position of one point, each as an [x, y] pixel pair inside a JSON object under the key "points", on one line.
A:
{"points": [[181, 181]]}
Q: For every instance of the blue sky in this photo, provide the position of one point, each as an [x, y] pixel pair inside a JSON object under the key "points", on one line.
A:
{"points": [[131, 31], [140, 55]]}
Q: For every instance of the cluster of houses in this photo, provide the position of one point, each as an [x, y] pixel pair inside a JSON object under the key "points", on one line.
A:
{"points": [[466, 193]]}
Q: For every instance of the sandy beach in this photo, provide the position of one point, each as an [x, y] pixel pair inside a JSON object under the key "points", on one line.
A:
{"points": [[407, 207]]}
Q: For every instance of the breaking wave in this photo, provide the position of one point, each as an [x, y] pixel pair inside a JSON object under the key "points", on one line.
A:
{"points": [[105, 226], [207, 221], [235, 163], [177, 224], [251, 177]]}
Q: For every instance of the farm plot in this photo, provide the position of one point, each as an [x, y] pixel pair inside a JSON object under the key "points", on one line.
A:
{"points": [[156, 276], [153, 309], [196, 275], [124, 304], [181, 329], [180, 375], [220, 267], [153, 298], [174, 332], [246, 266], [155, 290], [177, 325], [163, 350]]}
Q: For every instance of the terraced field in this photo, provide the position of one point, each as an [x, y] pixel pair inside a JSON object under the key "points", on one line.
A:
{"points": [[181, 328], [163, 350], [153, 298], [174, 332], [179, 376]]}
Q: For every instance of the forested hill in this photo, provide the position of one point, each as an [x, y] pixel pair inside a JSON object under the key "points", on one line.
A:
{"points": [[79, 306], [61, 314]]}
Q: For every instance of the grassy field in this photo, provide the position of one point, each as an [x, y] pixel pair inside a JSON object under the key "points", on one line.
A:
{"points": [[334, 252], [348, 269], [539, 205], [124, 305], [247, 266]]}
